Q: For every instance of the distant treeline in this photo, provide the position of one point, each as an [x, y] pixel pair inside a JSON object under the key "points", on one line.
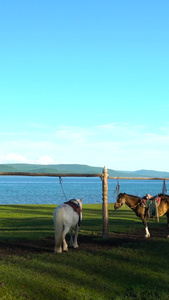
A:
{"points": [[77, 168]]}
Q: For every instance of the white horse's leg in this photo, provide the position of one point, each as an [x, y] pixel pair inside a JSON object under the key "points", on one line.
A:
{"points": [[76, 235], [71, 238], [57, 249], [147, 232], [58, 231], [65, 246]]}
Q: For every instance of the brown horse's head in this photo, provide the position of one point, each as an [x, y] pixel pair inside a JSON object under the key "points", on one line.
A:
{"points": [[120, 201]]}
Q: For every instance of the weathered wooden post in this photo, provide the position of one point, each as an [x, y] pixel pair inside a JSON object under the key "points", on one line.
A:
{"points": [[104, 178]]}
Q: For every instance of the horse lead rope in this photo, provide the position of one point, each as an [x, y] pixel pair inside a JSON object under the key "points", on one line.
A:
{"points": [[164, 190], [60, 180], [135, 204], [117, 187]]}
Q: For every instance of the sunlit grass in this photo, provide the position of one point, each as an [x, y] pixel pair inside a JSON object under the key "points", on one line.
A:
{"points": [[128, 271]]}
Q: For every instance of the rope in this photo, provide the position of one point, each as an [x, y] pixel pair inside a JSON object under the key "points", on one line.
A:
{"points": [[60, 180], [164, 190], [117, 187]]}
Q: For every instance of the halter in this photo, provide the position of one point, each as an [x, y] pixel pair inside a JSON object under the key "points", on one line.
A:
{"points": [[121, 204], [124, 201]]}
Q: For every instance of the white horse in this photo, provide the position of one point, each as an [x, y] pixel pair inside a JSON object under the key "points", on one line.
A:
{"points": [[66, 216]]}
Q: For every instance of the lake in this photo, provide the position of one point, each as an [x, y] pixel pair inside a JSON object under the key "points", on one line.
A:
{"points": [[48, 190]]}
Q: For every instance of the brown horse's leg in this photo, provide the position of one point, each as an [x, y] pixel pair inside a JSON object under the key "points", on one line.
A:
{"points": [[167, 214], [147, 235], [168, 221]]}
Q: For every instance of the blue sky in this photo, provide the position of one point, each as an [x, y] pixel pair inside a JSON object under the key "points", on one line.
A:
{"points": [[85, 82]]}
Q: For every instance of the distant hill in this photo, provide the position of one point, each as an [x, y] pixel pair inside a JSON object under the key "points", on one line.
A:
{"points": [[77, 168], [151, 173]]}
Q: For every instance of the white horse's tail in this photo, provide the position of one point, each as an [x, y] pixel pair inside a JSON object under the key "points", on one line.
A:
{"points": [[58, 224]]}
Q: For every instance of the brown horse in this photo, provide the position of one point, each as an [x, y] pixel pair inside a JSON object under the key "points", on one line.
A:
{"points": [[136, 204]]}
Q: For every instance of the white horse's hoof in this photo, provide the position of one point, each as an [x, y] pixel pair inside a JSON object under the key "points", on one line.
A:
{"points": [[65, 250], [75, 246], [147, 236], [58, 250]]}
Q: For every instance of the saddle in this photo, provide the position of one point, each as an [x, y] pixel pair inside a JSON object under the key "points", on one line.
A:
{"points": [[151, 203], [76, 206]]}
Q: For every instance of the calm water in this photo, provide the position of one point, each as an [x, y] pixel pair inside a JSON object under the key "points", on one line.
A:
{"points": [[47, 190]]}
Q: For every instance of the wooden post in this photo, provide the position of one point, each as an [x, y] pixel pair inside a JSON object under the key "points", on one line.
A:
{"points": [[104, 178]]}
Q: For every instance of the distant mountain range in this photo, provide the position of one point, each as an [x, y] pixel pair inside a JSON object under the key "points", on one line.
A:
{"points": [[76, 168]]}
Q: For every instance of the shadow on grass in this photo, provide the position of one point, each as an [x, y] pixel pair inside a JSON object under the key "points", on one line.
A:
{"points": [[28, 209], [103, 268], [100, 273]]}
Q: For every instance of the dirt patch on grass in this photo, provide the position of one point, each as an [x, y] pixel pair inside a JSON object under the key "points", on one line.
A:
{"points": [[119, 239], [86, 242]]}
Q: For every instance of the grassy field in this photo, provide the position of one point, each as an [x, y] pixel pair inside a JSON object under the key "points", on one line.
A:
{"points": [[123, 266]]}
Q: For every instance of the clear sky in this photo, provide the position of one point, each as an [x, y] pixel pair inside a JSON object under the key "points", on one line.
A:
{"points": [[85, 82]]}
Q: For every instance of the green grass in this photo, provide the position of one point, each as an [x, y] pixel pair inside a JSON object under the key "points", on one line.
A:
{"points": [[133, 270]]}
